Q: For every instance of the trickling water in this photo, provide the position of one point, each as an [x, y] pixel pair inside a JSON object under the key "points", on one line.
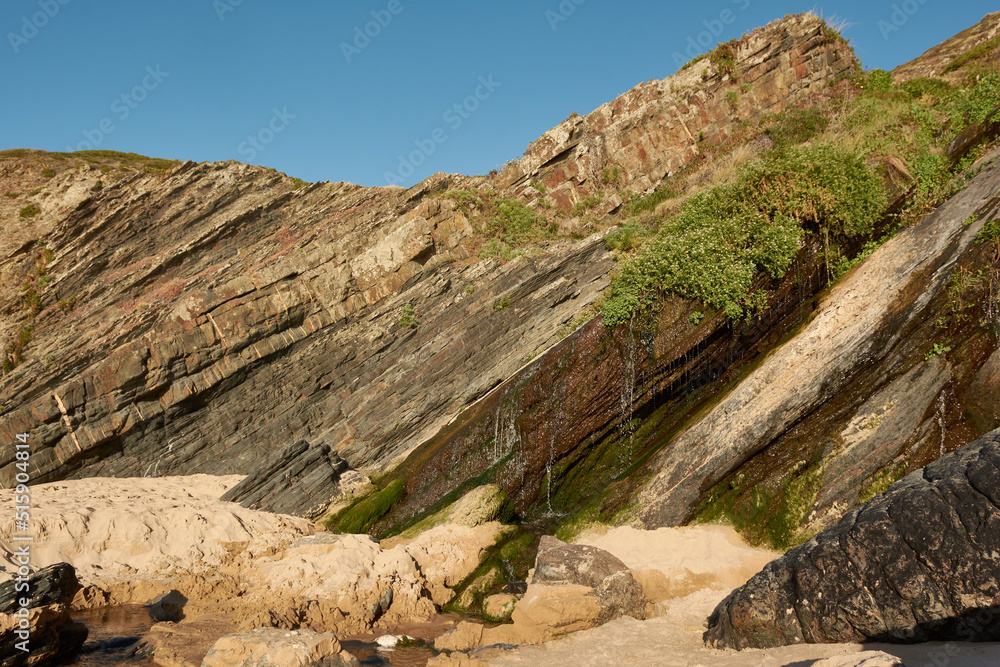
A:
{"points": [[940, 419], [627, 398], [505, 434]]}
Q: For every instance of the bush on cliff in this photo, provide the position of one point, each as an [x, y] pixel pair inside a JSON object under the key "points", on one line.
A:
{"points": [[719, 240]]}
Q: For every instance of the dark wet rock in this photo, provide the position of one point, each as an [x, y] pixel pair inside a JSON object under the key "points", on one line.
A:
{"points": [[919, 562], [616, 590], [168, 607], [300, 480], [55, 584], [53, 637]]}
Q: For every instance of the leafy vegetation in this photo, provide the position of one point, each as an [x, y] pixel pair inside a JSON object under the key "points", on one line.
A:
{"points": [[972, 54], [723, 57], [31, 302], [718, 241], [407, 319], [30, 211]]}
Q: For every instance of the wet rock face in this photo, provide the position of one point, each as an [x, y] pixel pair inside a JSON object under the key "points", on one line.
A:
{"points": [[616, 590], [297, 481], [920, 562], [54, 638]]}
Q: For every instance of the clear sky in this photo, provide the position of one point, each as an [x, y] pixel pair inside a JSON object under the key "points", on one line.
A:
{"points": [[343, 90]]}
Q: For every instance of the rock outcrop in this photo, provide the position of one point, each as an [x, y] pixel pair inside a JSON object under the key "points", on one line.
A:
{"points": [[920, 562], [867, 317], [574, 587], [292, 482], [271, 647], [615, 589], [46, 630], [236, 308]]}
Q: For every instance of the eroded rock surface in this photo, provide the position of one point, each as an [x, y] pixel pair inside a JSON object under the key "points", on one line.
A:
{"points": [[917, 563], [271, 647], [52, 637]]}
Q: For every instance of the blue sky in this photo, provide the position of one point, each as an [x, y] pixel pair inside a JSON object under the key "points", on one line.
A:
{"points": [[341, 90]]}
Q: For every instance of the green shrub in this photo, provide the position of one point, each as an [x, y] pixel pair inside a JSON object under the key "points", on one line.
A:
{"points": [[719, 240], [48, 172], [878, 81], [724, 58], [497, 248], [647, 203], [796, 126], [501, 303], [733, 98], [513, 222], [30, 211], [586, 204], [611, 174], [917, 88], [408, 320], [360, 517]]}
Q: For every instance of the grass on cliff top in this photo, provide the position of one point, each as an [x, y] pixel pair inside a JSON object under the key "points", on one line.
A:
{"points": [[101, 158], [822, 177]]}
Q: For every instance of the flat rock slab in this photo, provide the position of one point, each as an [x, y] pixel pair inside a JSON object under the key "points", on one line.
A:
{"points": [[919, 562], [271, 647]]}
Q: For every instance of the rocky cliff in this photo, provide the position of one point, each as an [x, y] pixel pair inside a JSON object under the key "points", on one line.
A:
{"points": [[202, 317]]}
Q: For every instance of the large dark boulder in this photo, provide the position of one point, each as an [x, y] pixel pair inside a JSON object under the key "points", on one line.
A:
{"points": [[53, 637], [919, 562], [299, 480]]}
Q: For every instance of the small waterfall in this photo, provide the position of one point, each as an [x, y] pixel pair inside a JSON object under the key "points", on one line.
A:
{"points": [[940, 420], [505, 434], [627, 398]]}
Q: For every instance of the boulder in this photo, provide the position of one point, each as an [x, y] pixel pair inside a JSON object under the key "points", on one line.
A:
{"points": [[168, 607], [271, 647], [613, 586], [499, 607], [53, 637], [574, 587], [917, 563], [299, 480], [863, 659]]}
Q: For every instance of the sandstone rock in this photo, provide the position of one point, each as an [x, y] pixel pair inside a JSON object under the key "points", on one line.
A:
{"points": [[298, 481], [168, 607], [271, 647], [53, 637], [917, 563], [863, 659], [573, 587], [614, 588], [499, 607]]}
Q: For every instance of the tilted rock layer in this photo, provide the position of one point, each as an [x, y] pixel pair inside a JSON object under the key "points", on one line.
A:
{"points": [[201, 320]]}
